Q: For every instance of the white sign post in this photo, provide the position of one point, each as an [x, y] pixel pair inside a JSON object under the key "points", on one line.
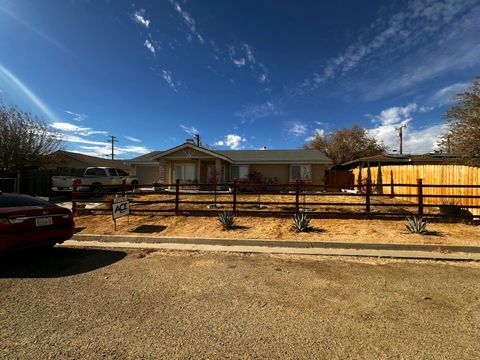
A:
{"points": [[120, 207]]}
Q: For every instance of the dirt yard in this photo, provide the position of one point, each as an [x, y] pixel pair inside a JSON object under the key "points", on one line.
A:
{"points": [[270, 228], [97, 304]]}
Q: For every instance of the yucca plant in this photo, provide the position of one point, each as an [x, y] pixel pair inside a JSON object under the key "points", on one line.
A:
{"points": [[416, 225], [301, 223], [227, 219]]}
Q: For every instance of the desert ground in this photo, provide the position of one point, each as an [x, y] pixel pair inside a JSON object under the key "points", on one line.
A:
{"points": [[277, 228], [91, 304]]}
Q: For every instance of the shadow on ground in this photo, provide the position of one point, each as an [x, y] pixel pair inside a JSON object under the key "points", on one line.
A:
{"points": [[56, 262]]}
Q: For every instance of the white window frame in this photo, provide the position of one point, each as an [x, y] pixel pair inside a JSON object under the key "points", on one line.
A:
{"points": [[239, 177], [309, 166]]}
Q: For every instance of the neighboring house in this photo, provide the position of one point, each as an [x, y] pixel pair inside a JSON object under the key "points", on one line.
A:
{"points": [[70, 160], [194, 164]]}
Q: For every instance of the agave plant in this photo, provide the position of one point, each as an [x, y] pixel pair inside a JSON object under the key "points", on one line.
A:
{"points": [[227, 219], [301, 223], [416, 225]]}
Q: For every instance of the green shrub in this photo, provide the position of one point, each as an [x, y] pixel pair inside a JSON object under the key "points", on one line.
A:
{"points": [[301, 223], [227, 219], [416, 225]]}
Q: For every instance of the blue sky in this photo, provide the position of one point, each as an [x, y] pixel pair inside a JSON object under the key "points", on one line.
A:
{"points": [[245, 74]]}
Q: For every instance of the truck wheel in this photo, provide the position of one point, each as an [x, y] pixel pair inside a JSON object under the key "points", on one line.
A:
{"points": [[134, 183], [97, 190]]}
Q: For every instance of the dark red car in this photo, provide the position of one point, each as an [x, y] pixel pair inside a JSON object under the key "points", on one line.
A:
{"points": [[26, 221]]}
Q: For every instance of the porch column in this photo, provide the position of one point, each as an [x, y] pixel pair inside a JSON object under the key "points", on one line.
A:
{"points": [[198, 172], [218, 171]]}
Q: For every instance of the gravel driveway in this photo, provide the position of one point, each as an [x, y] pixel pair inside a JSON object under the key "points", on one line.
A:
{"points": [[91, 304]]}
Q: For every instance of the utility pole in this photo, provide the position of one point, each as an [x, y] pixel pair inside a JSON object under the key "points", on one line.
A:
{"points": [[113, 140], [400, 134]]}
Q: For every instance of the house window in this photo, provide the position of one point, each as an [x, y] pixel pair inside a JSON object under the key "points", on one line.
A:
{"points": [[239, 172], [300, 172]]}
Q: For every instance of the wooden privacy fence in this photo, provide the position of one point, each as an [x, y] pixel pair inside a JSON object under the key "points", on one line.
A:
{"points": [[455, 181], [367, 202]]}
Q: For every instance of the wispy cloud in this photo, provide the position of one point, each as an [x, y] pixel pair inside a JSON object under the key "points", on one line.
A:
{"points": [[72, 128], [106, 150], [76, 116], [423, 40], [190, 130], [148, 44], [167, 76], [32, 97], [233, 141], [253, 112], [298, 129], [139, 17], [189, 22], [131, 138], [239, 62], [446, 95]]}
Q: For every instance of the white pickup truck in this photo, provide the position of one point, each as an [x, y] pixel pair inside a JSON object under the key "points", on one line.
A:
{"points": [[94, 179]]}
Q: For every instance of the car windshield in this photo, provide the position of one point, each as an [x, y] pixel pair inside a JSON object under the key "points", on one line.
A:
{"points": [[13, 200]]}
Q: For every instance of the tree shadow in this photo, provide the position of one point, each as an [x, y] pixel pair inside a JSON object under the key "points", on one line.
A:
{"points": [[55, 262], [434, 233]]}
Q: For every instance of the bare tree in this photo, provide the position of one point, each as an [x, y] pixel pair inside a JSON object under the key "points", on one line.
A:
{"points": [[463, 134], [344, 145], [25, 140]]}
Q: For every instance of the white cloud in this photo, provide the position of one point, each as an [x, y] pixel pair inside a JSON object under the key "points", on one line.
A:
{"points": [[72, 128], [263, 78], [250, 54], [415, 139], [78, 139], [190, 130], [189, 21], [298, 129], [316, 133], [233, 141], [131, 138], [259, 111], [76, 116], [148, 44], [140, 18], [167, 76], [239, 62]]}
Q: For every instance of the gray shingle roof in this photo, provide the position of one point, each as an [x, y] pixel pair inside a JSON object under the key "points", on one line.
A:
{"points": [[260, 156], [276, 156]]}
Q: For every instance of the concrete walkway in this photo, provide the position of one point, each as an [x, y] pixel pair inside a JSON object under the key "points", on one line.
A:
{"points": [[366, 252]]}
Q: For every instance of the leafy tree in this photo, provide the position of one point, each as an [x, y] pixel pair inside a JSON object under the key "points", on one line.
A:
{"points": [[463, 135], [25, 140], [344, 145]]}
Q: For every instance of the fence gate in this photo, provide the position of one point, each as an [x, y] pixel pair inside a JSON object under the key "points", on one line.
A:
{"points": [[342, 179]]}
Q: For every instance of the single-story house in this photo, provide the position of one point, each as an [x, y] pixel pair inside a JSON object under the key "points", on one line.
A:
{"points": [[193, 164], [70, 160]]}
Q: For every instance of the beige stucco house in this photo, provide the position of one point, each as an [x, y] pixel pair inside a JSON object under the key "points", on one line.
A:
{"points": [[194, 164]]}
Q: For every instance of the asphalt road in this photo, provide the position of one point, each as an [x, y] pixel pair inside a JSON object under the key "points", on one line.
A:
{"points": [[91, 304]]}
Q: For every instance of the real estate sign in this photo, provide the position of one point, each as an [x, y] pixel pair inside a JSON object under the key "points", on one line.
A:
{"points": [[120, 207]]}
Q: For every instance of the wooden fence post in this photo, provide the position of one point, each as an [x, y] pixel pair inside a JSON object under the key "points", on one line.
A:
{"points": [[367, 195], [177, 195], [420, 196], [234, 195], [297, 195], [392, 190], [124, 183], [74, 199]]}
